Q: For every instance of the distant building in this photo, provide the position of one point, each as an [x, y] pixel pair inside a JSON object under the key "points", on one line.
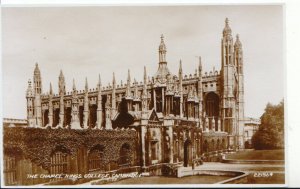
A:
{"points": [[251, 126]]}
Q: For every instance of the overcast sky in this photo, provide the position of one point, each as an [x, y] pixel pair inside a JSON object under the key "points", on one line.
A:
{"points": [[86, 41]]}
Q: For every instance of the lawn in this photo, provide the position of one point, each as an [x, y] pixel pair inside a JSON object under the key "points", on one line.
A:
{"points": [[257, 155]]}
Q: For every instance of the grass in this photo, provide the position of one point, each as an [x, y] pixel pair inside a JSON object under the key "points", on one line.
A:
{"points": [[197, 179], [258, 155]]}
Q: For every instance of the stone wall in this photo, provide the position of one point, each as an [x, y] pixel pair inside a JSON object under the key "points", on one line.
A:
{"points": [[33, 148]]}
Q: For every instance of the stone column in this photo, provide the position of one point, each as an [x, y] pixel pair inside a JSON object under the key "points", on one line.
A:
{"points": [[170, 133], [86, 111], [213, 124], [143, 133], [99, 116], [206, 124], [50, 115], [154, 98], [219, 125], [61, 111], [163, 100]]}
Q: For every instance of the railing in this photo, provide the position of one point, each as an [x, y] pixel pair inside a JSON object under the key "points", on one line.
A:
{"points": [[215, 155]]}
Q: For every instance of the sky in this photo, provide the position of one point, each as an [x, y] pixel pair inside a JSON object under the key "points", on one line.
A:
{"points": [[87, 41]]}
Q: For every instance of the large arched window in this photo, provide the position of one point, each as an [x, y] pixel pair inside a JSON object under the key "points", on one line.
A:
{"points": [[68, 116], [212, 105], [56, 117], [81, 115], [46, 118], [93, 116], [96, 157]]}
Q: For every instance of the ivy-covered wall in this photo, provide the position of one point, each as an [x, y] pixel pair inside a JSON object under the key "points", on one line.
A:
{"points": [[38, 144]]}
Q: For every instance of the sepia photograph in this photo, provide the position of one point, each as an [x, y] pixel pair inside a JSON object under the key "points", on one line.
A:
{"points": [[160, 95]]}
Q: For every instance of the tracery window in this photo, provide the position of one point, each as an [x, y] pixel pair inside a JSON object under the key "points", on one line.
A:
{"points": [[96, 158], [9, 170], [59, 162]]}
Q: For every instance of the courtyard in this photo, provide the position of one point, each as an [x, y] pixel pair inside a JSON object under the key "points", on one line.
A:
{"points": [[257, 173]]}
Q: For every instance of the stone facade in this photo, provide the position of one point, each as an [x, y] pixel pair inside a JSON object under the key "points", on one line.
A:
{"points": [[251, 126], [176, 118]]}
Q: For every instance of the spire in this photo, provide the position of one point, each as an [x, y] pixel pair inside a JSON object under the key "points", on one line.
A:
{"points": [[37, 80], [74, 87], [180, 67], [180, 76], [99, 83], [237, 44], [50, 92], [36, 69], [238, 51], [114, 80], [113, 97], [128, 90], [61, 83], [162, 50], [227, 29], [145, 75], [136, 95], [162, 46], [128, 78], [61, 75], [200, 66], [86, 85], [145, 83]]}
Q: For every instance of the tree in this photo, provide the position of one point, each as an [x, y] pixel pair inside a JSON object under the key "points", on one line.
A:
{"points": [[270, 134]]}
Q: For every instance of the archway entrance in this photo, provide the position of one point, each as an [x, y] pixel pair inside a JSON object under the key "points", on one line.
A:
{"points": [[187, 154]]}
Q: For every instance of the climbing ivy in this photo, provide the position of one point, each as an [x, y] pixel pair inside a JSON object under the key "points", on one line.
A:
{"points": [[38, 144]]}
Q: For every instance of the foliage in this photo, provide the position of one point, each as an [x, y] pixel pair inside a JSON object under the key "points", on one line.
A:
{"points": [[38, 144], [270, 134]]}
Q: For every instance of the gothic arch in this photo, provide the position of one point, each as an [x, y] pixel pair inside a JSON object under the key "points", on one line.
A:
{"points": [[212, 103]]}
